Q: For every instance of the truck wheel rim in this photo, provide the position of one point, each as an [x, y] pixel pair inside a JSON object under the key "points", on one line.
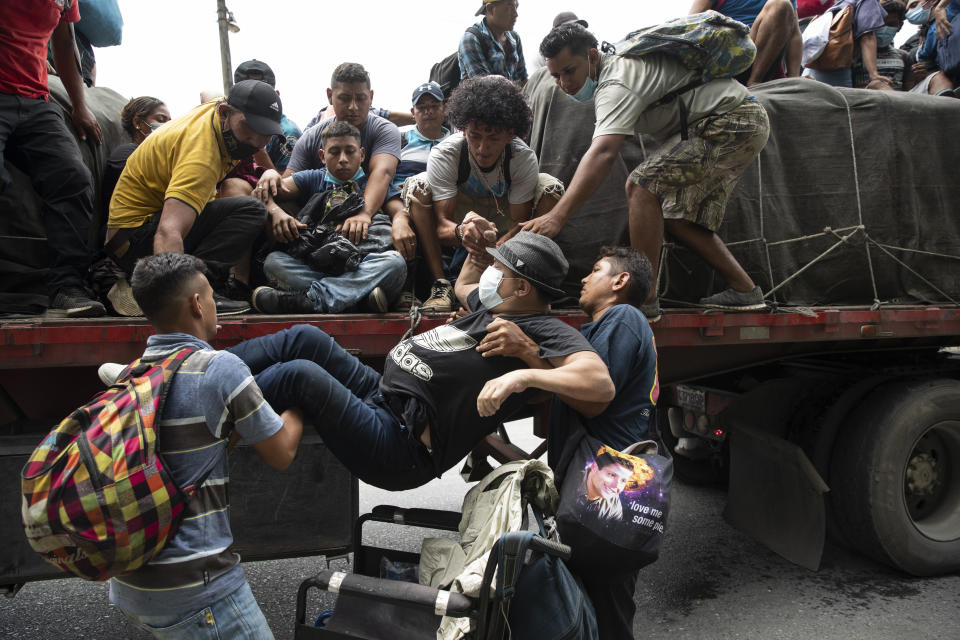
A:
{"points": [[930, 489]]}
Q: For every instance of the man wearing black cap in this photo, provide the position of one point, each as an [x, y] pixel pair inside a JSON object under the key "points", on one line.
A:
{"points": [[164, 197], [439, 395], [281, 146]]}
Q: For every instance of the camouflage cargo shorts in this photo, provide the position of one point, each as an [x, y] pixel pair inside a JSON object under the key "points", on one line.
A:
{"points": [[693, 178]]}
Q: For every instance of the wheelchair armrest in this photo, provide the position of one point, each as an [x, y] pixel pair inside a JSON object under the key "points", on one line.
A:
{"points": [[550, 547], [404, 594], [429, 518]]}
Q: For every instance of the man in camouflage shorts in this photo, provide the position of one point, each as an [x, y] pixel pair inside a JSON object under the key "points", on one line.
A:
{"points": [[685, 187]]}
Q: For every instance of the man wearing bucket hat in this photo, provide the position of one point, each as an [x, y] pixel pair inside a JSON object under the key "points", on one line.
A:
{"points": [[164, 199], [439, 396]]}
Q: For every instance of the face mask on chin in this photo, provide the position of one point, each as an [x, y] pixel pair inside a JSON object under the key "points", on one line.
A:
{"points": [[237, 149], [885, 36], [589, 86], [489, 283]]}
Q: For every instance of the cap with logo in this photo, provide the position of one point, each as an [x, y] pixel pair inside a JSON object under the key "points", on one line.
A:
{"points": [[568, 16], [427, 89], [259, 104], [255, 70], [535, 258]]}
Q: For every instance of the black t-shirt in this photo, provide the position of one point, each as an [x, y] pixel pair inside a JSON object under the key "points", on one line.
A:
{"points": [[442, 369]]}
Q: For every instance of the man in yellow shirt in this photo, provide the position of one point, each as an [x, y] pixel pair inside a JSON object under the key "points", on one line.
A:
{"points": [[164, 199]]}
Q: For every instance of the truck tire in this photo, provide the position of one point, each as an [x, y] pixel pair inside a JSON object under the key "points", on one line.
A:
{"points": [[895, 476]]}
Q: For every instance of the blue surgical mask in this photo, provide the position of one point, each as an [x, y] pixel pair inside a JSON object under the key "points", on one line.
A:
{"points": [[586, 91], [490, 281], [885, 36], [918, 15], [332, 179]]}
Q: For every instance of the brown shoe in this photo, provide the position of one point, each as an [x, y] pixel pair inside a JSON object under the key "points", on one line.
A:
{"points": [[441, 298]]}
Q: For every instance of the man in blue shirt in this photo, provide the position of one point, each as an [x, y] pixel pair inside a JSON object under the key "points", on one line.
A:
{"points": [[195, 586], [611, 296], [497, 50], [773, 28]]}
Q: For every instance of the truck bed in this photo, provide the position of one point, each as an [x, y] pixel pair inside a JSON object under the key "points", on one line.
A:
{"points": [[38, 354]]}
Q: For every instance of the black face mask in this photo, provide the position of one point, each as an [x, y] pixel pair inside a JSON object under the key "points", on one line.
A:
{"points": [[238, 150]]}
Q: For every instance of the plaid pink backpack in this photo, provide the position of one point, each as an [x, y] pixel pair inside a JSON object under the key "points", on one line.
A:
{"points": [[97, 500]]}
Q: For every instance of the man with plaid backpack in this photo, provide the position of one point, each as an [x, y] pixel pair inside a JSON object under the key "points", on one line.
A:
{"points": [[195, 584]]}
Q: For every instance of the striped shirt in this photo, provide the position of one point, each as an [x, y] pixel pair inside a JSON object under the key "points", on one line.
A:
{"points": [[490, 58], [211, 395]]}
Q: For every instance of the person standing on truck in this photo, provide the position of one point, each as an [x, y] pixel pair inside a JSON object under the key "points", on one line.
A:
{"points": [[195, 587], [685, 188], [492, 47], [611, 296], [164, 199], [485, 168], [35, 139]]}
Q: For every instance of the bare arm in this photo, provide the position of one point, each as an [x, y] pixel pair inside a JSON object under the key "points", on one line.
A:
{"points": [[279, 450], [176, 220], [868, 53], [580, 376], [382, 168], [469, 279], [401, 118], [63, 57], [591, 172], [504, 338], [699, 6]]}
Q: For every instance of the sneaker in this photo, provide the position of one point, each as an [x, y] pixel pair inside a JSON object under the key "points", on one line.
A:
{"points": [[406, 301], [274, 301], [441, 298], [731, 300], [236, 290], [76, 302], [228, 307], [377, 301], [652, 311], [121, 298], [109, 372]]}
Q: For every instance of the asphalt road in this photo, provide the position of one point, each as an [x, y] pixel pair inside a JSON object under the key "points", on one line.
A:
{"points": [[710, 582]]}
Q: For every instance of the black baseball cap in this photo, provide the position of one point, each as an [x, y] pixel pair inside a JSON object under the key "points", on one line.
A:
{"points": [[259, 104], [255, 70], [568, 16], [535, 258]]}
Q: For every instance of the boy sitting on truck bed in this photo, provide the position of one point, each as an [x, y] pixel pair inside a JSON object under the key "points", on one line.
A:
{"points": [[300, 289]]}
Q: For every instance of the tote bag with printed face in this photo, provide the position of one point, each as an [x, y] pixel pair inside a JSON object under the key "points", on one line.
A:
{"points": [[613, 505]]}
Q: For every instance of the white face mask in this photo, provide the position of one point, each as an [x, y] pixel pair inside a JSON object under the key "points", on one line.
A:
{"points": [[489, 283]]}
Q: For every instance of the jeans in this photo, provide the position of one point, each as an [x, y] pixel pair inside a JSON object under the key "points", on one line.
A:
{"points": [[236, 616], [340, 396], [334, 294], [35, 138], [220, 236], [835, 77]]}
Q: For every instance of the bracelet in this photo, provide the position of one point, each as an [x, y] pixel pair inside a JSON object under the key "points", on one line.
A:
{"points": [[458, 231]]}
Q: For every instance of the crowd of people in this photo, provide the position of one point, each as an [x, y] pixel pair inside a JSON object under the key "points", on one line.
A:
{"points": [[232, 181], [231, 206]]}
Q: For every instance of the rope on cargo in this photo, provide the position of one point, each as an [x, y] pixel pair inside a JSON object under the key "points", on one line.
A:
{"points": [[843, 236]]}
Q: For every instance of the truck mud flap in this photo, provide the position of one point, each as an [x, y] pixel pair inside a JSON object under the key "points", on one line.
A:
{"points": [[776, 496]]}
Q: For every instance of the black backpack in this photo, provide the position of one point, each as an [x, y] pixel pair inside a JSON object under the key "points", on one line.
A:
{"points": [[463, 168], [446, 73]]}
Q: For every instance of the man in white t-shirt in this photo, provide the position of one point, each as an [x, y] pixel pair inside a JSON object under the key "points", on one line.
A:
{"points": [[685, 188], [485, 168]]}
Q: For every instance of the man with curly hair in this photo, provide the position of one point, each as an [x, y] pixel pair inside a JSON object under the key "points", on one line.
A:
{"points": [[485, 168]]}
